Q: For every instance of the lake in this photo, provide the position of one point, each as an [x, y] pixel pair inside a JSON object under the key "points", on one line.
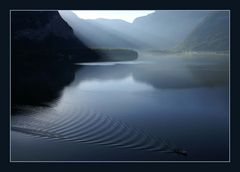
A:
{"points": [[161, 107]]}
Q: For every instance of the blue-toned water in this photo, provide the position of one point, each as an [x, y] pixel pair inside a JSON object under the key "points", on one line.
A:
{"points": [[147, 110]]}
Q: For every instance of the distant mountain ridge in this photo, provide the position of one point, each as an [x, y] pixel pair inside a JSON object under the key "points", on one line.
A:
{"points": [[162, 29], [167, 28], [93, 34], [212, 34]]}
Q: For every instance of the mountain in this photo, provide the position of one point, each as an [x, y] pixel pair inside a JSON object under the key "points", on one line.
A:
{"points": [[212, 34], [95, 34], [42, 33], [162, 29], [40, 64]]}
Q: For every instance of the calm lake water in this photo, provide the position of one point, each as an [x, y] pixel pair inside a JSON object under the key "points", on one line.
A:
{"points": [[152, 109]]}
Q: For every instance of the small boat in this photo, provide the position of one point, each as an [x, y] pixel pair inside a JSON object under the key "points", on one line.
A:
{"points": [[180, 152]]}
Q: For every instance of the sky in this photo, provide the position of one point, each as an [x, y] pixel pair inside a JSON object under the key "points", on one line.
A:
{"points": [[126, 15]]}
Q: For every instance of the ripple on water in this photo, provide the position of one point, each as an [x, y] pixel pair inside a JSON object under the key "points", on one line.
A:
{"points": [[82, 124]]}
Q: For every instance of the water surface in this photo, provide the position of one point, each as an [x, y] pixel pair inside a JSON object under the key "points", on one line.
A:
{"points": [[129, 111]]}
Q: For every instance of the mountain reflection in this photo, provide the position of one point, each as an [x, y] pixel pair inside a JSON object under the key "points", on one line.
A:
{"points": [[157, 75]]}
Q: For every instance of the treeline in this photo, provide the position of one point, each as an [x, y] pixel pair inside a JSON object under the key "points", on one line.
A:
{"points": [[117, 54]]}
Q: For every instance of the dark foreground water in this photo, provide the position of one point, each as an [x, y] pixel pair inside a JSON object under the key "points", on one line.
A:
{"points": [[157, 109]]}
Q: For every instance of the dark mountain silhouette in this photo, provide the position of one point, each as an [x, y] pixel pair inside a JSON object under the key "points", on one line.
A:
{"points": [[212, 34], [40, 64], [45, 33], [159, 30]]}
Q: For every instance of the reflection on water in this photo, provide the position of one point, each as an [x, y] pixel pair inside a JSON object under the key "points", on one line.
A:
{"points": [[148, 110], [126, 84]]}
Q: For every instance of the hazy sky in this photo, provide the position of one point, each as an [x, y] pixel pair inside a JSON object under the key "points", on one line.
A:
{"points": [[127, 15]]}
